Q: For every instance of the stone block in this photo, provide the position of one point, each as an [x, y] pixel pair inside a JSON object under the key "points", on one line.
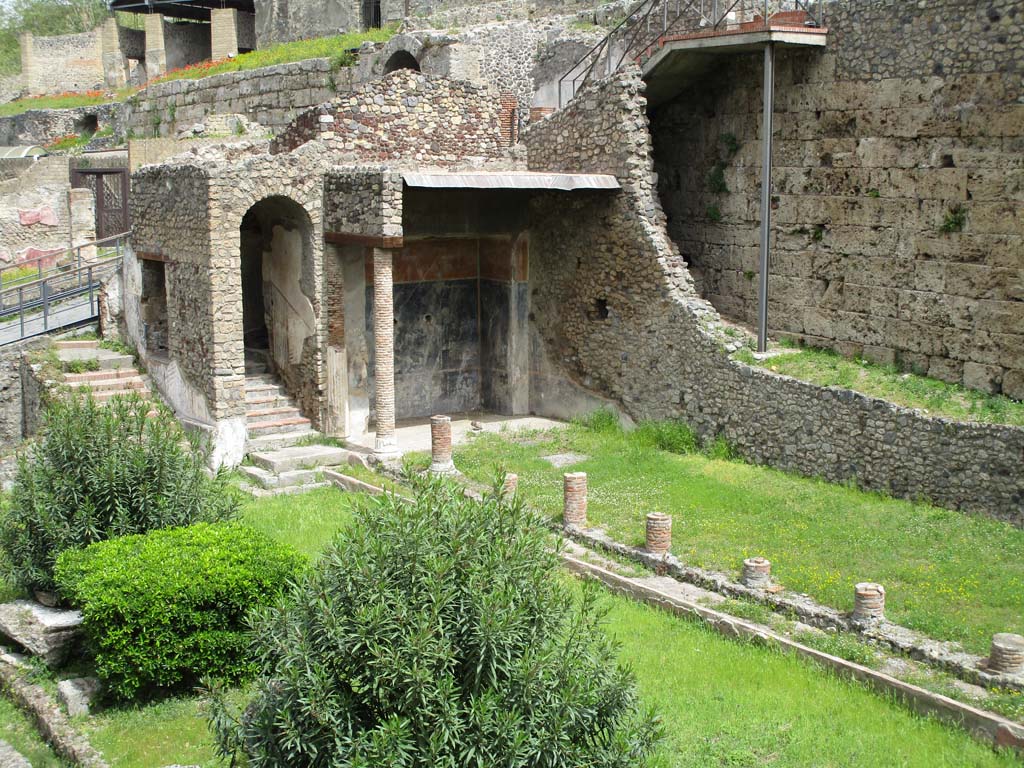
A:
{"points": [[78, 694], [48, 633], [1013, 384], [984, 378], [944, 369], [11, 758]]}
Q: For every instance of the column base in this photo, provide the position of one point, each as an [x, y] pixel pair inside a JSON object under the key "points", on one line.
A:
{"points": [[386, 447], [445, 468]]}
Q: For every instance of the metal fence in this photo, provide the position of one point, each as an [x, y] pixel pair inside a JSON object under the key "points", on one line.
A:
{"points": [[651, 20], [62, 291]]}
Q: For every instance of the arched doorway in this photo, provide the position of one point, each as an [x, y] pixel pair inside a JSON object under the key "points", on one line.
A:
{"points": [[276, 242], [401, 60]]}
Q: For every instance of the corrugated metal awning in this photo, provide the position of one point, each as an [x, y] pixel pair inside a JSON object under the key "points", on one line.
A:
{"points": [[512, 180], [21, 152]]}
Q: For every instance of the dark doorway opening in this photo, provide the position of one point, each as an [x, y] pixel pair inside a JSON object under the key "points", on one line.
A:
{"points": [[372, 18], [401, 60]]}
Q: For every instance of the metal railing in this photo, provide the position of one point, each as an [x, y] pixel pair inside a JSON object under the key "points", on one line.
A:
{"points": [[651, 20], [61, 295]]}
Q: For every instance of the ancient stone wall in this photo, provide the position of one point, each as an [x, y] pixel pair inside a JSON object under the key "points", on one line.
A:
{"points": [[898, 228], [39, 214], [363, 201], [61, 63], [615, 306], [14, 403], [42, 126], [406, 116], [271, 96]]}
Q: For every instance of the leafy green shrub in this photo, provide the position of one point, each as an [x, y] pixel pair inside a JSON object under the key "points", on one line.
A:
{"points": [[104, 470], [164, 609], [437, 632], [673, 436], [601, 420], [954, 221]]}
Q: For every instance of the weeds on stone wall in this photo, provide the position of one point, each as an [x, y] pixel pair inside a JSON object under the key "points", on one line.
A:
{"points": [[954, 221]]}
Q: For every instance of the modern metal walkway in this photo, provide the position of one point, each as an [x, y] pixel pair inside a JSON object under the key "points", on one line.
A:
{"points": [[56, 291]]}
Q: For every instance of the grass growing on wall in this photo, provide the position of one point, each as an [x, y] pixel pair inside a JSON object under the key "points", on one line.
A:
{"points": [[57, 101], [950, 575], [828, 368]]}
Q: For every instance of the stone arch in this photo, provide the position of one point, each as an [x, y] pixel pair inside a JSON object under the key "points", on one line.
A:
{"points": [[276, 237], [401, 60]]}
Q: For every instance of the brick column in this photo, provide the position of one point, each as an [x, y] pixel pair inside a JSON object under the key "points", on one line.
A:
{"points": [[757, 573], [156, 53], [868, 602], [574, 507], [115, 65], [659, 533], [441, 445], [1007, 655], [223, 33], [510, 484], [26, 42], [386, 444]]}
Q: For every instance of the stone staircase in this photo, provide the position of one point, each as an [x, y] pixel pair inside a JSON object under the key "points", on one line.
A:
{"points": [[283, 449], [117, 374]]}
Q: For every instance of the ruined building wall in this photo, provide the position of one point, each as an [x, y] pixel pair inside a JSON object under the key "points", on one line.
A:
{"points": [[61, 63], [909, 116], [615, 306]]}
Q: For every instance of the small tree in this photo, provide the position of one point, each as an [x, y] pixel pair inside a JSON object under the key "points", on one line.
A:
{"points": [[438, 633], [103, 470]]}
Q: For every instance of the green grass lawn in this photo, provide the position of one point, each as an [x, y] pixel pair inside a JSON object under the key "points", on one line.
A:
{"points": [[947, 574], [824, 367], [724, 703], [20, 733]]}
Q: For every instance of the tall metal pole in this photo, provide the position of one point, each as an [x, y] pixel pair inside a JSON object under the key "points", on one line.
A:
{"points": [[766, 194]]}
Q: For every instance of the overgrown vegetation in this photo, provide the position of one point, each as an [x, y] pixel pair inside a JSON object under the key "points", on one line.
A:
{"points": [[947, 574], [103, 470], [165, 609], [937, 398], [438, 632], [954, 221]]}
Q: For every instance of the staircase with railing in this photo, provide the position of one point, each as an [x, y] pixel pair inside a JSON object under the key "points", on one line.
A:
{"points": [[56, 291], [653, 22]]}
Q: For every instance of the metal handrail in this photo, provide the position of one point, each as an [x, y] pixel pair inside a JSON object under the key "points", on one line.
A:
{"points": [[26, 300], [56, 256], [713, 14]]}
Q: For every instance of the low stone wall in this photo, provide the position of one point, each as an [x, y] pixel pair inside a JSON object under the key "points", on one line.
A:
{"points": [[615, 305], [19, 405], [271, 96]]}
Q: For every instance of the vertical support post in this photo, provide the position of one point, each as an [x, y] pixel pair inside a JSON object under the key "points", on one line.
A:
{"points": [[386, 443], [766, 195], [21, 310]]}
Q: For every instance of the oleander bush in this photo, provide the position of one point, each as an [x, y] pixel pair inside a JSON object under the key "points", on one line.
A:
{"points": [[437, 632], [165, 609], [104, 470]]}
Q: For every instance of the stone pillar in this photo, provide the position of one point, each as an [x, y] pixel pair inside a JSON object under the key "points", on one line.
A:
{"points": [[757, 572], [574, 509], [510, 484], [441, 445], [223, 33], [868, 602], [386, 444], [26, 42], [659, 533], [115, 65], [156, 53], [1007, 655]]}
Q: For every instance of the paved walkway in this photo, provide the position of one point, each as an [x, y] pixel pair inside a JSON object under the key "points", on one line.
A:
{"points": [[414, 435], [70, 312]]}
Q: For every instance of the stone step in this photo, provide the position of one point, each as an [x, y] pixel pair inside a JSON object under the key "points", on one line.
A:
{"points": [[110, 394], [106, 359], [277, 426], [108, 385], [300, 457], [78, 344], [274, 442], [261, 401], [259, 415], [261, 379], [45, 632], [291, 479], [73, 378]]}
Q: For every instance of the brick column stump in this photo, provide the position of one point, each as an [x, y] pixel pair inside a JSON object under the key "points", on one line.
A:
{"points": [[1007, 655], [868, 602], [574, 510], [659, 533], [441, 445], [757, 573], [510, 484], [386, 444]]}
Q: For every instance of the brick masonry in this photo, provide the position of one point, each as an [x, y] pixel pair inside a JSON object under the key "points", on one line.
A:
{"points": [[879, 138], [614, 304]]}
